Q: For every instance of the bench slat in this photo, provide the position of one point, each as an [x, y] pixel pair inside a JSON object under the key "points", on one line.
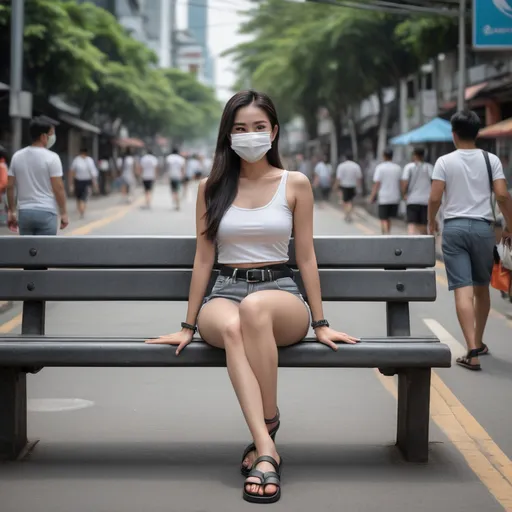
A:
{"points": [[307, 354], [178, 252], [173, 285]]}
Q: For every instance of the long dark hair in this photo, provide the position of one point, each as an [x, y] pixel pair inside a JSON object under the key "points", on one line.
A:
{"points": [[222, 185]]}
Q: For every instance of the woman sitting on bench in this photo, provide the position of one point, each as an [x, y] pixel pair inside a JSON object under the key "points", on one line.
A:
{"points": [[247, 208]]}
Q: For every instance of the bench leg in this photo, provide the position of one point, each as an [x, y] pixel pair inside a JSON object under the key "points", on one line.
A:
{"points": [[414, 413], [13, 413]]}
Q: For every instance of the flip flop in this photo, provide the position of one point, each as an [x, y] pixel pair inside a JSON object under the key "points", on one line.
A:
{"points": [[267, 478], [245, 470], [465, 361]]}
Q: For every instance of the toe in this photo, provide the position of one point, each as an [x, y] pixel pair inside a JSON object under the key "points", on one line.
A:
{"points": [[270, 489]]}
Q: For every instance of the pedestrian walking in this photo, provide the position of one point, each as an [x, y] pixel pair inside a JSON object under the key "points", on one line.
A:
{"points": [[84, 176], [386, 190], [104, 177], [35, 188], [416, 184], [176, 168], [246, 210], [149, 172], [349, 177], [322, 180], [3, 184], [467, 178], [128, 172]]}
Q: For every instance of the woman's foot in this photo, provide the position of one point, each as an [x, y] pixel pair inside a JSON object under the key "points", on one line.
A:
{"points": [[250, 456], [267, 468]]}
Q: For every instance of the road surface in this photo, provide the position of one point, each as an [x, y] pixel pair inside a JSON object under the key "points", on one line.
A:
{"points": [[154, 440]]}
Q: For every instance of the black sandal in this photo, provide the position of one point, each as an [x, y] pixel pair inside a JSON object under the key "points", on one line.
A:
{"points": [[245, 470], [483, 350], [466, 361], [268, 478]]}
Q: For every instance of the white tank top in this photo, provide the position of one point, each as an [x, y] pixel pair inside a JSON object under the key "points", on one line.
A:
{"points": [[256, 235]]}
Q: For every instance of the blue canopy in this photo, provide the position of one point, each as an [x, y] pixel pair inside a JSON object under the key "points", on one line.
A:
{"points": [[437, 130]]}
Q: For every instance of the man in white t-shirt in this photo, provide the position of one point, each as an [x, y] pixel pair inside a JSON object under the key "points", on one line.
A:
{"points": [[416, 184], [35, 174], [386, 186], [322, 179], [467, 178], [349, 177], [149, 169], [176, 167], [83, 175]]}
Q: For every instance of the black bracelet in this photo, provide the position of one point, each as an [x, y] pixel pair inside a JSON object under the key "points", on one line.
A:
{"points": [[190, 327], [320, 323]]}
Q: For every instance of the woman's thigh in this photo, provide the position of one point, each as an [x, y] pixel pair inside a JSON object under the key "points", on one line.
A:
{"points": [[288, 314], [218, 318]]}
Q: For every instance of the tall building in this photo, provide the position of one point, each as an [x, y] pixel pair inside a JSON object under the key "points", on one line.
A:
{"points": [[197, 25]]}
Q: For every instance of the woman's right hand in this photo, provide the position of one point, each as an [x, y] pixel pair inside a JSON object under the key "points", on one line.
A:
{"points": [[181, 338]]}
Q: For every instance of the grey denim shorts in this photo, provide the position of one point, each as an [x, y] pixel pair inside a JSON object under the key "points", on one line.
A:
{"points": [[227, 287], [468, 246]]}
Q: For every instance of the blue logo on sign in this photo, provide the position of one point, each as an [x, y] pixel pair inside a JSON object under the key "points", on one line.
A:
{"points": [[505, 6], [492, 24]]}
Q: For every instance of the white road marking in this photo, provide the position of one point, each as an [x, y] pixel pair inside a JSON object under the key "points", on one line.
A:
{"points": [[457, 348], [57, 404]]}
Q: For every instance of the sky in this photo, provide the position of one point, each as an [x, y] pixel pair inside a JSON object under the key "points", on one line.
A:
{"points": [[223, 24]]}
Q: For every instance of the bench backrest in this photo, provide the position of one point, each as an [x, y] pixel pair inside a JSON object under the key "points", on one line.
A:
{"points": [[395, 270]]}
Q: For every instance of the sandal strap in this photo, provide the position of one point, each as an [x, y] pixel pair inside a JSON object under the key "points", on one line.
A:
{"points": [[271, 478], [267, 458], [274, 419], [473, 353], [256, 473]]}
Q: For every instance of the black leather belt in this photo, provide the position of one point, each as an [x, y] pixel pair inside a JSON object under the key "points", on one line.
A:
{"points": [[258, 275]]}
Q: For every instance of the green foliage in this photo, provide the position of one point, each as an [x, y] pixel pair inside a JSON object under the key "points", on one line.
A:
{"points": [[80, 51], [311, 55]]}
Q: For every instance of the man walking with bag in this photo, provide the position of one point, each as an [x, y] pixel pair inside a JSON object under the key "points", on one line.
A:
{"points": [[468, 177]]}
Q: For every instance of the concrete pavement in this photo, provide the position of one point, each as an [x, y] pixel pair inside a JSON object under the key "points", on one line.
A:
{"points": [[170, 440]]}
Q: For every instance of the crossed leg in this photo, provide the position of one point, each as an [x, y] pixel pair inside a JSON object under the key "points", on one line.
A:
{"points": [[250, 332]]}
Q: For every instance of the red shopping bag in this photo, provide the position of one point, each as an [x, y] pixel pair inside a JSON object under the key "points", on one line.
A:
{"points": [[501, 278]]}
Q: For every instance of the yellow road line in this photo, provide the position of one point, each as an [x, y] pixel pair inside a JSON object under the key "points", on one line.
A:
{"points": [[482, 454], [84, 230]]}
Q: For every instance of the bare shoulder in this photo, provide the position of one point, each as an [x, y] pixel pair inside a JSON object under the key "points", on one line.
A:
{"points": [[298, 181]]}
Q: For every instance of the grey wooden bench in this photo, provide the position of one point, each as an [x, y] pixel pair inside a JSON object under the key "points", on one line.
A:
{"points": [[394, 270]]}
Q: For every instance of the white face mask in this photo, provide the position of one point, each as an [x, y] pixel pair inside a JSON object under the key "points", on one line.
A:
{"points": [[252, 146], [51, 140]]}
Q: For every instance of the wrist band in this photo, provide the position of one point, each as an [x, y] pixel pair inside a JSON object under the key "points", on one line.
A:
{"points": [[190, 327]]}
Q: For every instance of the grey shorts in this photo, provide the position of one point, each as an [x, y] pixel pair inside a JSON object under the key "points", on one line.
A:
{"points": [[226, 287], [37, 222], [468, 251]]}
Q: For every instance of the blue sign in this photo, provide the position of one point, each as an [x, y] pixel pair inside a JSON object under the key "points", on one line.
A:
{"points": [[492, 24]]}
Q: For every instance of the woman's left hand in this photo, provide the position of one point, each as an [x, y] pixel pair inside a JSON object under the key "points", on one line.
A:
{"points": [[329, 336]]}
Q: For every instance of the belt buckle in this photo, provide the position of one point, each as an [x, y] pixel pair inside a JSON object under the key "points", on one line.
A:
{"points": [[250, 276]]}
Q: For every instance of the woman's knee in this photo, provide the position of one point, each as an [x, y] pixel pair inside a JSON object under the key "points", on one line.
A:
{"points": [[231, 332], [254, 312]]}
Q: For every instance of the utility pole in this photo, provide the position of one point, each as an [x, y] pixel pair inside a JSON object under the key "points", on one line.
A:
{"points": [[173, 35], [17, 24], [461, 98], [165, 28]]}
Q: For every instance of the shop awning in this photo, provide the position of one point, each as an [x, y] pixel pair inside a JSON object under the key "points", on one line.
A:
{"points": [[437, 130], [501, 129], [130, 142], [470, 93], [79, 123]]}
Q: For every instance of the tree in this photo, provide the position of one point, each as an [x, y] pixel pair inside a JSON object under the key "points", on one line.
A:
{"points": [[307, 56], [81, 52]]}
